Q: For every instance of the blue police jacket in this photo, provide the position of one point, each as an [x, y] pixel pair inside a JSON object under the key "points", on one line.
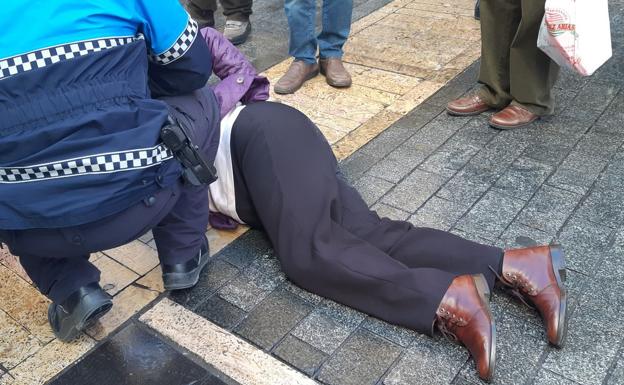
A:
{"points": [[79, 115]]}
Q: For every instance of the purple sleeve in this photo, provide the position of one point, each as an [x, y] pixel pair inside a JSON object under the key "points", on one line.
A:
{"points": [[239, 78]]}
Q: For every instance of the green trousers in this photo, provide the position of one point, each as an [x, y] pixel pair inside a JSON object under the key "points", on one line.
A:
{"points": [[513, 69]]}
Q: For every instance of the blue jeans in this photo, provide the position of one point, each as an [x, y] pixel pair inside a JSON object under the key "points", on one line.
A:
{"points": [[301, 16]]}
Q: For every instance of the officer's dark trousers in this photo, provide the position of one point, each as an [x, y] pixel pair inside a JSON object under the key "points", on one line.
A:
{"points": [[57, 260], [325, 236]]}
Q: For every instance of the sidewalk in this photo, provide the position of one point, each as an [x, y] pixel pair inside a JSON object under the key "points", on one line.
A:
{"points": [[561, 180]]}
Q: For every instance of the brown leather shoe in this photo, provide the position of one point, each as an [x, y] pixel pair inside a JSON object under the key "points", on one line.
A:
{"points": [[467, 106], [297, 74], [513, 116], [537, 274], [335, 73], [464, 316]]}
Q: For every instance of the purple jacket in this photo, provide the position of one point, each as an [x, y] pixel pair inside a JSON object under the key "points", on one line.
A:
{"points": [[239, 78], [239, 83]]}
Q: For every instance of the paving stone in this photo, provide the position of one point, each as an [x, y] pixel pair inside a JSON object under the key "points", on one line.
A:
{"points": [[464, 189], [372, 188], [584, 243], [399, 163], [617, 375], [361, 360], [552, 149], [243, 251], [273, 318], [328, 326], [613, 176], [397, 334], [520, 345], [491, 215], [299, 354], [221, 312], [385, 211], [438, 213], [136, 256], [215, 275], [414, 190], [594, 96], [604, 207], [523, 178], [389, 139], [304, 294], [518, 235], [16, 343], [473, 237], [356, 165], [249, 288], [449, 159], [115, 276], [490, 163], [134, 356], [603, 296], [428, 360], [603, 145], [588, 353], [546, 377], [549, 208], [577, 172], [477, 132]]}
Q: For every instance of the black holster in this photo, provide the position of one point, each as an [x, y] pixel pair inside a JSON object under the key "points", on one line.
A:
{"points": [[197, 171]]}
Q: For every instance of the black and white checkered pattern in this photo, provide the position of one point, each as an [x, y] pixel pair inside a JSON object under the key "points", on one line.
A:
{"points": [[181, 45], [95, 164], [47, 56]]}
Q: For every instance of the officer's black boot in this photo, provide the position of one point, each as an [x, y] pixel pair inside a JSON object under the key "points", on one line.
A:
{"points": [[79, 311], [186, 275]]}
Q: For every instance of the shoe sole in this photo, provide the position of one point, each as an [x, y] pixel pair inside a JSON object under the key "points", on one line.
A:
{"points": [[558, 264], [473, 113], [484, 292], [240, 39], [179, 281], [512, 127], [83, 323], [311, 75]]}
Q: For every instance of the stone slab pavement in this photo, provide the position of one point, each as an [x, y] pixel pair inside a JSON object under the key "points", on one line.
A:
{"points": [[559, 181]]}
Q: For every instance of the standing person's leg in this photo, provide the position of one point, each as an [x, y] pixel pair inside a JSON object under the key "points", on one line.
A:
{"points": [[499, 23], [533, 73], [331, 40], [202, 11], [237, 24], [301, 15]]}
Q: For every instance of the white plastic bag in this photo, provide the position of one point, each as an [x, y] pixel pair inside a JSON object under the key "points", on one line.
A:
{"points": [[576, 34]]}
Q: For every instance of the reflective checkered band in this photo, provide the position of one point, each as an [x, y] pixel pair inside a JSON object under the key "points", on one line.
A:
{"points": [[95, 164], [181, 45], [47, 56]]}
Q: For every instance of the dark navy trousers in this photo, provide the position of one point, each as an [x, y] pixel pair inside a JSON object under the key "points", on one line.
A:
{"points": [[57, 260], [328, 241]]}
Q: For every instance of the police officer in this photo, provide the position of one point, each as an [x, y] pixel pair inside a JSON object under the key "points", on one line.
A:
{"points": [[86, 87]]}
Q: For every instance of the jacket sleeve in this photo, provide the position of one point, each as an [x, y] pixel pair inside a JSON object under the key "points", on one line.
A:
{"points": [[239, 79], [179, 62]]}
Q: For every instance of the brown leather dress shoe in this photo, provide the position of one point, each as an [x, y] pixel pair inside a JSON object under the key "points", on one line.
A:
{"points": [[465, 317], [335, 73], [513, 116], [297, 74], [537, 275], [467, 106]]}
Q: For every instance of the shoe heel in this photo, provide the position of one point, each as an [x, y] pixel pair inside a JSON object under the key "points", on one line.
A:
{"points": [[558, 262], [482, 287]]}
